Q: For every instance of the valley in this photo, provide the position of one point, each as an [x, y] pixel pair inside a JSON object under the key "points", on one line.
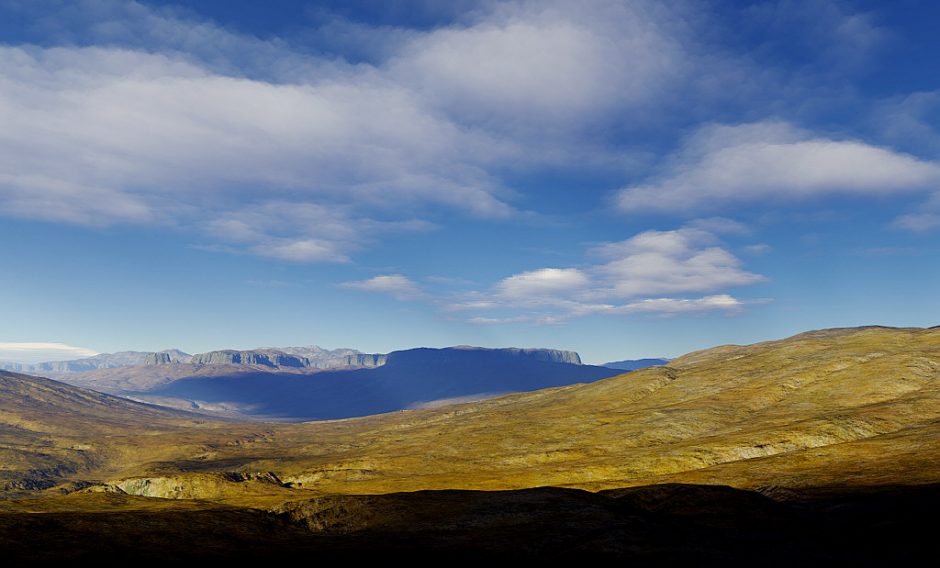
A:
{"points": [[831, 416]]}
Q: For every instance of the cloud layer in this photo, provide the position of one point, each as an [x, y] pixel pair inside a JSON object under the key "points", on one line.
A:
{"points": [[659, 273], [773, 162], [38, 352], [148, 116]]}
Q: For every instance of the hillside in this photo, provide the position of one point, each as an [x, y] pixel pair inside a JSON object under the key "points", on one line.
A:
{"points": [[856, 406], [52, 433], [831, 440], [635, 364]]}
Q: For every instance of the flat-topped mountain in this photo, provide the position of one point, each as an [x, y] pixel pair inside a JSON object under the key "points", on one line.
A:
{"points": [[266, 358], [309, 357], [537, 354], [407, 379]]}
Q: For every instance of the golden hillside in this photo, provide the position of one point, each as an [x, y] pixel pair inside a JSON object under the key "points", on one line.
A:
{"points": [[836, 407]]}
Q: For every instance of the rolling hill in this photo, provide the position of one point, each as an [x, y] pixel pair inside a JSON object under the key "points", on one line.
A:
{"points": [[834, 420]]}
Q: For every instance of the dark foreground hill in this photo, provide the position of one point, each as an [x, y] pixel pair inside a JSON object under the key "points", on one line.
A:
{"points": [[664, 525]]}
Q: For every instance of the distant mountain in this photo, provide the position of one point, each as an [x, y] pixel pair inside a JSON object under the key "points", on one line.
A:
{"points": [[408, 379], [320, 358], [312, 357], [635, 364], [103, 361], [276, 358]]}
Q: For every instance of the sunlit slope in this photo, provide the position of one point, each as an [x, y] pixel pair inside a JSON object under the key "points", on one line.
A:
{"points": [[856, 406], [837, 407], [51, 432]]}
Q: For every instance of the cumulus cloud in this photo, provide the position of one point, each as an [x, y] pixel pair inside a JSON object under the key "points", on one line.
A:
{"points": [[395, 285], [103, 136], [38, 352], [553, 60], [542, 281], [669, 262], [775, 162], [150, 116], [653, 272]]}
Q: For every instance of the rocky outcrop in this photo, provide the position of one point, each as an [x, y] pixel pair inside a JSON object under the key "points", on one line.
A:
{"points": [[268, 358], [278, 359], [365, 360], [167, 357], [538, 354]]}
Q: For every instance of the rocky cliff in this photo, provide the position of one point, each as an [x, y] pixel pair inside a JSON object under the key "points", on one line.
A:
{"points": [[167, 357], [538, 354], [265, 358]]}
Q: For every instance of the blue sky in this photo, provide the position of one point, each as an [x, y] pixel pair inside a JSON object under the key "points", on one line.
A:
{"points": [[623, 178]]}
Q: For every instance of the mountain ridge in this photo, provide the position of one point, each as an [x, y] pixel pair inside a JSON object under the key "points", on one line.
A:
{"points": [[312, 356]]}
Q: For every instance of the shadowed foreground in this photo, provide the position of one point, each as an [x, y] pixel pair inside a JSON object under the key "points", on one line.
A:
{"points": [[652, 525]]}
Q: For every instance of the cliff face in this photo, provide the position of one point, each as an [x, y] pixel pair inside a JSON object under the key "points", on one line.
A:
{"points": [[167, 357], [273, 359], [547, 355], [365, 360]]}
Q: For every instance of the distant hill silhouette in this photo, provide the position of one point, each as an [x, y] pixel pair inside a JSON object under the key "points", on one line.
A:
{"points": [[408, 379]]}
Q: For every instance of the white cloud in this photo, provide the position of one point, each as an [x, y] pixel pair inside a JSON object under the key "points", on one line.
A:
{"points": [[774, 162], [38, 352], [673, 306], [300, 250], [179, 122], [395, 285], [171, 119], [554, 60], [542, 281], [669, 262], [102, 136], [653, 269]]}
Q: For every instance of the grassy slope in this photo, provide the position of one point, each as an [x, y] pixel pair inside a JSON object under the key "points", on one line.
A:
{"points": [[836, 407]]}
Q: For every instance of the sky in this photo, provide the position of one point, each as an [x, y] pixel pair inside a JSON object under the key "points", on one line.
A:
{"points": [[622, 178]]}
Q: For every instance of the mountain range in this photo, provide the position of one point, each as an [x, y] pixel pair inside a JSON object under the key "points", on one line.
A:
{"points": [[310, 383], [287, 357]]}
